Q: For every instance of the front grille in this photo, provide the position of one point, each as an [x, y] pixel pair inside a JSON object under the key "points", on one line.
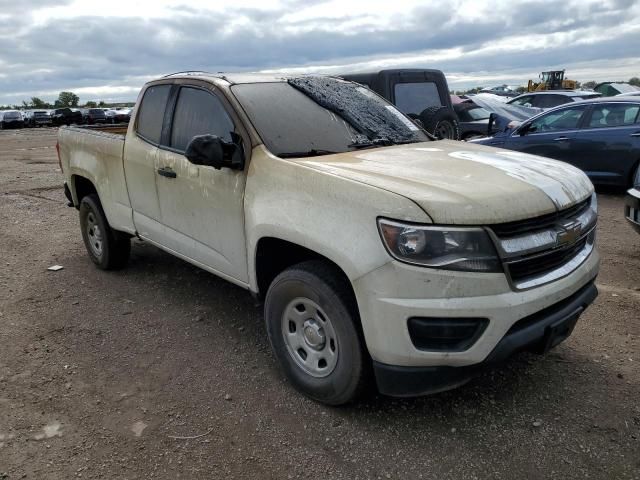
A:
{"points": [[540, 264], [543, 249], [520, 227]]}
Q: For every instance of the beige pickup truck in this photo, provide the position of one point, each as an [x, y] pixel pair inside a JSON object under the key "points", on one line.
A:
{"points": [[381, 256]]}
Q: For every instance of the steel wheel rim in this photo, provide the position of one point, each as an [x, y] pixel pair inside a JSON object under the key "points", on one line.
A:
{"points": [[310, 338], [94, 235], [444, 130]]}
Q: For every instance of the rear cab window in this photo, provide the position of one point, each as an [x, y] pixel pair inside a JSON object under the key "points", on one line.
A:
{"points": [[151, 113], [414, 97]]}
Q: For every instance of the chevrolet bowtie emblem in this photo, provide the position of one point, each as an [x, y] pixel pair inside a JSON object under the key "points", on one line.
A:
{"points": [[568, 233]]}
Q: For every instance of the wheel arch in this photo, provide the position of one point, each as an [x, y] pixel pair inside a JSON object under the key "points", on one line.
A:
{"points": [[634, 171], [273, 255], [81, 187]]}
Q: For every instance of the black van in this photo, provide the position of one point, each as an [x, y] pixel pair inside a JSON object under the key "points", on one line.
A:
{"points": [[421, 94]]}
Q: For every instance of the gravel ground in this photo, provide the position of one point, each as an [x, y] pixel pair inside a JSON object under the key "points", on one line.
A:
{"points": [[101, 371]]}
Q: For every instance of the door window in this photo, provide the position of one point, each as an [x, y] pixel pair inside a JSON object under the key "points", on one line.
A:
{"points": [[564, 119], [151, 112], [198, 112], [415, 97], [613, 115], [549, 101], [526, 101]]}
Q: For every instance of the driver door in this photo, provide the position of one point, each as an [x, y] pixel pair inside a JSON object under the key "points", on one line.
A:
{"points": [[202, 209], [551, 135]]}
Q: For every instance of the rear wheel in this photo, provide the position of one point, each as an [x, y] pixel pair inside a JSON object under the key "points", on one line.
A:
{"points": [[107, 248], [312, 323], [441, 122]]}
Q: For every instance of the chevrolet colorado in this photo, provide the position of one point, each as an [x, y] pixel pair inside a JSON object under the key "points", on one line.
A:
{"points": [[379, 253]]}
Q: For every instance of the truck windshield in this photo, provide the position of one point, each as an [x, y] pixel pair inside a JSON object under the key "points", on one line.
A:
{"points": [[310, 116]]}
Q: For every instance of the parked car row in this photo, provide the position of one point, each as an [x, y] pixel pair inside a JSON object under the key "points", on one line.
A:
{"points": [[63, 116], [599, 136], [36, 118], [552, 98]]}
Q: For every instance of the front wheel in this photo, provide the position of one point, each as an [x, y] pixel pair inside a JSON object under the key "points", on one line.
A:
{"points": [[635, 179], [312, 324], [107, 248]]}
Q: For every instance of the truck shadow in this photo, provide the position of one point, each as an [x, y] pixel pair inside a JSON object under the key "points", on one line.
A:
{"points": [[201, 322], [525, 376]]}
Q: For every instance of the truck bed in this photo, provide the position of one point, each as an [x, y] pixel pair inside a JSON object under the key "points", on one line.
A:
{"points": [[119, 129], [96, 153]]}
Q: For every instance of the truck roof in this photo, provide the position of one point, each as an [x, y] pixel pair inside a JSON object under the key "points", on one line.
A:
{"points": [[237, 78], [234, 78]]}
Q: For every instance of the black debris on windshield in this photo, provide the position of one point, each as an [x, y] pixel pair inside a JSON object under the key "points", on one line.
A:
{"points": [[365, 112]]}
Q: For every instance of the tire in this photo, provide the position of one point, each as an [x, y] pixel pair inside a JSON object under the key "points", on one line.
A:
{"points": [[107, 248], [635, 178], [309, 308], [441, 122]]}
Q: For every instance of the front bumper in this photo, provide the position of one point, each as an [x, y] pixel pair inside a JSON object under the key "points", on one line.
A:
{"points": [[538, 333], [395, 292], [632, 208]]}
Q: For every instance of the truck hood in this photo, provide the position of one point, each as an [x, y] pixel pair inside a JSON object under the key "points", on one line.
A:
{"points": [[463, 183]]}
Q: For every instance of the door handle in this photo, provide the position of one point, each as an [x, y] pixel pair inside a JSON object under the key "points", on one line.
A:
{"points": [[637, 134], [167, 172], [561, 139]]}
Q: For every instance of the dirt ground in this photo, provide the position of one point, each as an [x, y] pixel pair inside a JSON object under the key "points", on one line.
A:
{"points": [[101, 371]]}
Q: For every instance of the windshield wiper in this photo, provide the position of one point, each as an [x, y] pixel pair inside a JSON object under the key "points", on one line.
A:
{"points": [[309, 153], [375, 142]]}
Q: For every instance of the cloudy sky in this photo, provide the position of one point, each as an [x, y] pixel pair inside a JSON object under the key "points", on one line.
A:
{"points": [[106, 49]]}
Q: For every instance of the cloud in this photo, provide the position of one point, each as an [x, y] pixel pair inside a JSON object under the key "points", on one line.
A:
{"points": [[49, 46]]}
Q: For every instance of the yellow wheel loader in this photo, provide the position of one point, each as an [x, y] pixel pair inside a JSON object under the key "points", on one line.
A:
{"points": [[553, 80]]}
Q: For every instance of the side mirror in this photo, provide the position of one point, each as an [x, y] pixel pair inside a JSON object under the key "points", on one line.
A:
{"points": [[526, 128], [212, 151]]}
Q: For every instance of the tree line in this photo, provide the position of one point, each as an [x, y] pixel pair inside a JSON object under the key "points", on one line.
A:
{"points": [[71, 100], [65, 99]]}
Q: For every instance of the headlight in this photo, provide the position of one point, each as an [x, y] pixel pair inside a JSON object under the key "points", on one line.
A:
{"points": [[447, 248], [594, 202]]}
